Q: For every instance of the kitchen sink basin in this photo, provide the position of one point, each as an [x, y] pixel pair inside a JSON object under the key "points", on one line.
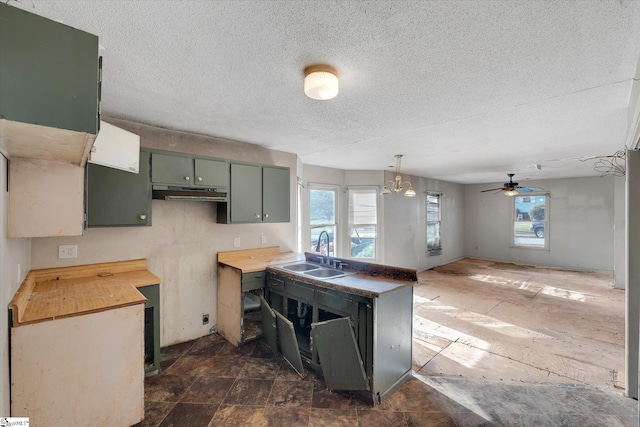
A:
{"points": [[325, 273], [300, 267]]}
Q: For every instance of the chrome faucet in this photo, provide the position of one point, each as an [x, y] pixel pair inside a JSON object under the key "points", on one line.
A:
{"points": [[328, 247]]}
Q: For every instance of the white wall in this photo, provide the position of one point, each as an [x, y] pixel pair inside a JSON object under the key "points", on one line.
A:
{"points": [[183, 241], [620, 234], [581, 220], [402, 219], [405, 224], [13, 252]]}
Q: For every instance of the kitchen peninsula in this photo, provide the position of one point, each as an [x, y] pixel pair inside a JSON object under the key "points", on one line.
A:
{"points": [[77, 335], [349, 320]]}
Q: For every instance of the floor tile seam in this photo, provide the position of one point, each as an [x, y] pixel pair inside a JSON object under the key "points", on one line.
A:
{"points": [[194, 378], [167, 414]]}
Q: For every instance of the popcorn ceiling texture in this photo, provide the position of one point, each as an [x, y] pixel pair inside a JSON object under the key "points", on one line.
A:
{"points": [[466, 90]]}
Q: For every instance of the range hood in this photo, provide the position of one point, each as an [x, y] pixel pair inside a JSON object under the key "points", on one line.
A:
{"points": [[164, 192]]}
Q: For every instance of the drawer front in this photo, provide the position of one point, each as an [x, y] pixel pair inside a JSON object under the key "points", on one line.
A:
{"points": [[336, 303], [275, 284], [300, 291], [252, 281]]}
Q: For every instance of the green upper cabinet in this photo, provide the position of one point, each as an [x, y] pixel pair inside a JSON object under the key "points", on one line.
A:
{"points": [[275, 194], [211, 173], [171, 170], [184, 171], [245, 198], [257, 194], [116, 198], [49, 72]]}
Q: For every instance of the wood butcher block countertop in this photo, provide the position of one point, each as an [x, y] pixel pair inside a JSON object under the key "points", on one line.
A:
{"points": [[252, 260], [53, 293]]}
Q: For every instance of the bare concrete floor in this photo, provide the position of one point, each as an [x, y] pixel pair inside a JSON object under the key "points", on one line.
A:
{"points": [[481, 324], [483, 319]]}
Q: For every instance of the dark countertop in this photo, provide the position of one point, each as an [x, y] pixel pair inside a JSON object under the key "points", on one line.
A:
{"points": [[362, 278]]}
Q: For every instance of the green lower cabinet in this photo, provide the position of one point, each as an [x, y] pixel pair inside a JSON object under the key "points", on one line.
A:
{"points": [[358, 343], [116, 198], [151, 328]]}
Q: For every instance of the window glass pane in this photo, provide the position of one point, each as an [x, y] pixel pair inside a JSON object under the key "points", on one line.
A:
{"points": [[363, 219], [434, 217], [362, 207], [319, 238], [433, 235], [322, 220], [530, 221], [433, 208], [322, 206], [363, 242]]}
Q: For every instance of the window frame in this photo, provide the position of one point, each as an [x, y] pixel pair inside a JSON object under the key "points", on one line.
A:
{"points": [[512, 222], [436, 250], [377, 246], [336, 216]]}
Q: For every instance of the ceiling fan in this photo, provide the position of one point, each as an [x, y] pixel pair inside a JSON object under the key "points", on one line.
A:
{"points": [[512, 188]]}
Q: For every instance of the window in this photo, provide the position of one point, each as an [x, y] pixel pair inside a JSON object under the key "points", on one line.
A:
{"points": [[530, 225], [434, 220], [363, 222], [322, 219]]}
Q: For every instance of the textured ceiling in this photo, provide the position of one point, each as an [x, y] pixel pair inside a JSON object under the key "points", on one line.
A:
{"points": [[467, 91]]}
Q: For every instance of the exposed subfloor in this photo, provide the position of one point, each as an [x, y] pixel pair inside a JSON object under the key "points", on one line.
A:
{"points": [[494, 344]]}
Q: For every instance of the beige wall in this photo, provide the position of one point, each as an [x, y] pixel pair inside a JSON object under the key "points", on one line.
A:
{"points": [[184, 239]]}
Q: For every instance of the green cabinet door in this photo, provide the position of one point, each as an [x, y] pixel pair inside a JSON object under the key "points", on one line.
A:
{"points": [[171, 170], [49, 72], [245, 197], [211, 173], [117, 198], [275, 194], [342, 366]]}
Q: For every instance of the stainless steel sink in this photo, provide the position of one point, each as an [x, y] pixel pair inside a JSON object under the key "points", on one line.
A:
{"points": [[301, 267], [325, 273]]}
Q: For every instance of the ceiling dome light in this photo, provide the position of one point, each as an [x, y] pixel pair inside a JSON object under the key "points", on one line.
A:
{"points": [[320, 82]]}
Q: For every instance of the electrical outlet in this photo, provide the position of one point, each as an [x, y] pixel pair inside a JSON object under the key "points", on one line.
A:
{"points": [[263, 239], [19, 278], [205, 319], [67, 251], [236, 242]]}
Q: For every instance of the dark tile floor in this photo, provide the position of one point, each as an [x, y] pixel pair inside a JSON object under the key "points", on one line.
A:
{"points": [[208, 382]]}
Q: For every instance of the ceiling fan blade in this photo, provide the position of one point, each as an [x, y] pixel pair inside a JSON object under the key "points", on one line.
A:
{"points": [[493, 189]]}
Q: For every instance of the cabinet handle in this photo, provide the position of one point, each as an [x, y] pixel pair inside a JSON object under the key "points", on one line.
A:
{"points": [[143, 217], [199, 179], [186, 178], [266, 215], [257, 216]]}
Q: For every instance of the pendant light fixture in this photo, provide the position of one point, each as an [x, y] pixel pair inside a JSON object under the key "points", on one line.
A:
{"points": [[398, 185], [320, 82]]}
